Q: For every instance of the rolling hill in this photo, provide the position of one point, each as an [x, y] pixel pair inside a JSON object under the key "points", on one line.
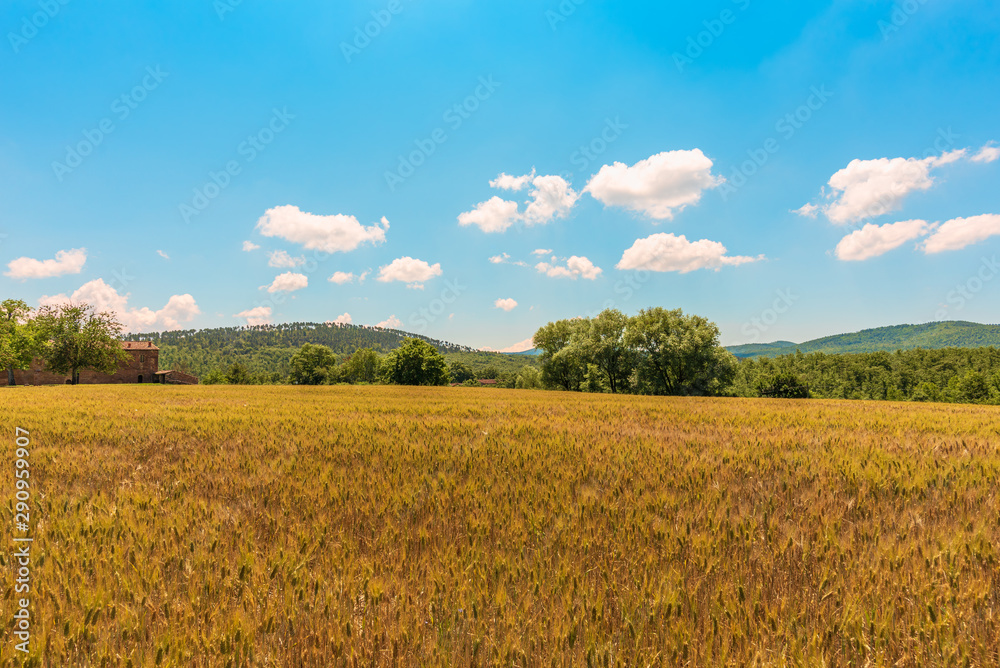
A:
{"points": [[934, 335]]}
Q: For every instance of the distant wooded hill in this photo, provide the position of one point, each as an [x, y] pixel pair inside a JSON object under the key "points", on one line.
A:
{"points": [[268, 349], [935, 335]]}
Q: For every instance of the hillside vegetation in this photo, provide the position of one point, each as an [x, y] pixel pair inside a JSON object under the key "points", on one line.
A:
{"points": [[952, 334], [383, 526], [268, 349]]}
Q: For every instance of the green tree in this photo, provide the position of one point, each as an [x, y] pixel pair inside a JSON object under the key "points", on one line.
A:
{"points": [[416, 362], [238, 374], [530, 378], [460, 372], [313, 365], [680, 354], [18, 337], [606, 348], [77, 336], [973, 388], [563, 359], [362, 367], [783, 386]]}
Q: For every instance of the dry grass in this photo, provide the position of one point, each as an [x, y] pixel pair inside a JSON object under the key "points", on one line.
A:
{"points": [[282, 526]]}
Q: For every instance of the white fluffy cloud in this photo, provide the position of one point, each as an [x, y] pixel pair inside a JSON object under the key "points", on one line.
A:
{"points": [[341, 277], [282, 260], [505, 304], [493, 215], [871, 188], [551, 198], [344, 319], [961, 232], [874, 240], [659, 186], [988, 153], [500, 259], [575, 267], [408, 270], [667, 252], [65, 262], [249, 246], [542, 251], [288, 282], [330, 234], [97, 293], [260, 315], [520, 347], [392, 322]]}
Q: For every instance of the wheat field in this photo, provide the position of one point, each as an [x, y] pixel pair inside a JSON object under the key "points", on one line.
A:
{"points": [[384, 526]]}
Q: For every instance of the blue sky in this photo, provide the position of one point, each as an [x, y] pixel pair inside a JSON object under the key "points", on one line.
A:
{"points": [[787, 171]]}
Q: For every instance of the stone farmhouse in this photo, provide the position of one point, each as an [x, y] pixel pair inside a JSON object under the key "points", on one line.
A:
{"points": [[142, 366]]}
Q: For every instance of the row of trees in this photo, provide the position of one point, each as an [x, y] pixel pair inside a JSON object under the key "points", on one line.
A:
{"points": [[65, 338], [658, 351]]}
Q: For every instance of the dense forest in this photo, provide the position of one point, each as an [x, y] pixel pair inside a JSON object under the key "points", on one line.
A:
{"points": [[265, 351], [934, 335]]}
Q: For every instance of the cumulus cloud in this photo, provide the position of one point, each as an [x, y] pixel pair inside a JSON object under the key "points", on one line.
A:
{"points": [[65, 262], [520, 347], [542, 251], [500, 259], [341, 277], [871, 188], [392, 322], [551, 198], [249, 246], [344, 319], [874, 240], [282, 260], [408, 270], [288, 282], [260, 315], [961, 232], [163, 255], [103, 297], [667, 252], [659, 186], [508, 182], [575, 267], [505, 304], [493, 215], [988, 153], [330, 234]]}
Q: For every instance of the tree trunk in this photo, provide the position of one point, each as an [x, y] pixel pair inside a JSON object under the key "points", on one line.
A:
{"points": [[73, 379], [10, 377]]}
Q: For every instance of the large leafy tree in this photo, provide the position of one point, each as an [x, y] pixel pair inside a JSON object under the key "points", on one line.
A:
{"points": [[363, 366], [77, 336], [680, 354], [313, 365], [18, 337], [416, 362], [606, 348], [563, 356]]}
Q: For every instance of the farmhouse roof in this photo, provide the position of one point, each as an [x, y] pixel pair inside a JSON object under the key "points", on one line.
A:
{"points": [[138, 345]]}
